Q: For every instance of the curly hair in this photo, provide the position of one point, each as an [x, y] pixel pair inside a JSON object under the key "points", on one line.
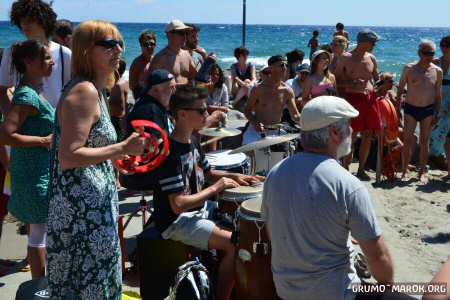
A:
{"points": [[34, 9], [30, 49]]}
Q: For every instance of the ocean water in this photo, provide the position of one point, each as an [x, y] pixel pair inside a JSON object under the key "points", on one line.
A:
{"points": [[397, 47]]}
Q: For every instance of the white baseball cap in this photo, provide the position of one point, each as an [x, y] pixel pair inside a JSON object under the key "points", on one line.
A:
{"points": [[325, 110], [176, 24]]}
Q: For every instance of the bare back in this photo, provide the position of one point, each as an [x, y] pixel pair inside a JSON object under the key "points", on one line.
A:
{"points": [[179, 64], [421, 83]]}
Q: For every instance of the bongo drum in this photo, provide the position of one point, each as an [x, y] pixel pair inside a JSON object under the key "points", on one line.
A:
{"points": [[254, 279], [230, 199]]}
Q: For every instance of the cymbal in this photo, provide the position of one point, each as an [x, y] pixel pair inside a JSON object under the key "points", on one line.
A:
{"points": [[266, 142], [220, 132]]}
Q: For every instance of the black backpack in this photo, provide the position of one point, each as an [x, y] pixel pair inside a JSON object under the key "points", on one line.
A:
{"points": [[192, 282]]}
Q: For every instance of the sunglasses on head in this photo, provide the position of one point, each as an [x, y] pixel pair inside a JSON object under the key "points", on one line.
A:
{"points": [[427, 53], [200, 110], [109, 44], [149, 44]]}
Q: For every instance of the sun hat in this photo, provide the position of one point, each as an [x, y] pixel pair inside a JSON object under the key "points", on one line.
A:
{"points": [[318, 52], [325, 110], [176, 24]]}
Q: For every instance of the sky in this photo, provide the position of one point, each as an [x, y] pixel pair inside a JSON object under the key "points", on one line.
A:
{"points": [[416, 13]]}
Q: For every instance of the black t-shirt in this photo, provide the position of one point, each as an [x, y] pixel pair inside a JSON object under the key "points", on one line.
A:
{"points": [[149, 108], [182, 170]]}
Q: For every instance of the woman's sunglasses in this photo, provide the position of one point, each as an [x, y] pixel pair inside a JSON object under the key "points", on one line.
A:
{"points": [[428, 53], [148, 44], [109, 44]]}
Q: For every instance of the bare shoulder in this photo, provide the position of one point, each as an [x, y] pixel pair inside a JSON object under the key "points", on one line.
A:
{"points": [[332, 77], [372, 57], [83, 94], [122, 83], [437, 68]]}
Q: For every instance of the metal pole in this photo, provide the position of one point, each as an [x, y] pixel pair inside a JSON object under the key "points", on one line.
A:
{"points": [[243, 22]]}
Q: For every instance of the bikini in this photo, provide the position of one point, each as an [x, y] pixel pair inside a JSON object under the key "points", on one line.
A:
{"points": [[323, 89]]}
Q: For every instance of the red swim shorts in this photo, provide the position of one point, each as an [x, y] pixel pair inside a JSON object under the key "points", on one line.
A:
{"points": [[369, 112]]}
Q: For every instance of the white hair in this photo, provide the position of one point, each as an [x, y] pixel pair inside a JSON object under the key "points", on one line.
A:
{"points": [[318, 138], [424, 43]]}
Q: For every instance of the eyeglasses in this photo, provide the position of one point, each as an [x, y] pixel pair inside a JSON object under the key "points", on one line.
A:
{"points": [[200, 110], [283, 65], [148, 44], [428, 53], [109, 44]]}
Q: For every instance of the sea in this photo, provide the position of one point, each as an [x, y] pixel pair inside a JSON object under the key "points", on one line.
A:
{"points": [[397, 47]]}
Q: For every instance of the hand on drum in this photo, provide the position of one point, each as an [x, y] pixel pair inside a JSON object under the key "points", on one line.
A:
{"points": [[225, 183], [246, 180]]}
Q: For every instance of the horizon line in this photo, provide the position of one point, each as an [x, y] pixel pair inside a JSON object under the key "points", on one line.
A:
{"points": [[267, 24]]}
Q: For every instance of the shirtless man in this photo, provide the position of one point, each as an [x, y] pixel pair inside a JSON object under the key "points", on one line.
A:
{"points": [[354, 73], [422, 104], [198, 53], [140, 65], [267, 99], [173, 58]]}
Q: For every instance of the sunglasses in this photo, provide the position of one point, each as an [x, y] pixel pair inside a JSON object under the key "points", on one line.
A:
{"points": [[338, 43], [179, 32], [109, 44], [428, 53], [148, 44], [283, 65], [200, 110]]}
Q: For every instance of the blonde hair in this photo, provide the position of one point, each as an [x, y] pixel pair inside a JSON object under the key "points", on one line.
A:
{"points": [[83, 40], [341, 38], [386, 76]]}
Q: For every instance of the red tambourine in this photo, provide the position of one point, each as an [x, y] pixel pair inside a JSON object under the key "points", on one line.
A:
{"points": [[150, 160]]}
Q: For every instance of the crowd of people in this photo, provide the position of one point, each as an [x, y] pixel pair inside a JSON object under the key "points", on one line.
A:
{"points": [[67, 120]]}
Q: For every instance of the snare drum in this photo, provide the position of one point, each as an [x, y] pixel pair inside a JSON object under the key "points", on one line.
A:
{"points": [[254, 279], [230, 199], [230, 163]]}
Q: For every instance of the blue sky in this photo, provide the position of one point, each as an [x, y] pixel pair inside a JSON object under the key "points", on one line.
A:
{"points": [[422, 13]]}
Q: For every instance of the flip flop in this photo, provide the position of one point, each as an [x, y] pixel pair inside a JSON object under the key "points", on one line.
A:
{"points": [[25, 268]]}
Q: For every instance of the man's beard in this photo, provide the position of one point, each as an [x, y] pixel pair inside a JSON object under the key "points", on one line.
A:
{"points": [[345, 147], [190, 46]]}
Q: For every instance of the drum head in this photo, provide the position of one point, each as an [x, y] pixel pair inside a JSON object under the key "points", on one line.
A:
{"points": [[221, 158], [243, 192], [251, 207]]}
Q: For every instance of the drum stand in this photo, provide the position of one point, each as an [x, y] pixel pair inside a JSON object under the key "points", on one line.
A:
{"points": [[142, 208]]}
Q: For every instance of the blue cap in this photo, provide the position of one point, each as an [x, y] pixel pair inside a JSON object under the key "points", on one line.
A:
{"points": [[303, 68], [156, 77]]}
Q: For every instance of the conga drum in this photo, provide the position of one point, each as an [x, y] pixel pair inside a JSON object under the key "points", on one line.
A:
{"points": [[230, 199], [253, 279]]}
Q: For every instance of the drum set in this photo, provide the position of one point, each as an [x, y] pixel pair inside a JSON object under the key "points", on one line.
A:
{"points": [[241, 206]]}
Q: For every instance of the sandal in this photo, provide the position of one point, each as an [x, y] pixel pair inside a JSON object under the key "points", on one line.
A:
{"points": [[362, 268]]}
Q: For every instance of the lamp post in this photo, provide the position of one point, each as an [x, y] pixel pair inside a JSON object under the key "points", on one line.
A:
{"points": [[243, 22]]}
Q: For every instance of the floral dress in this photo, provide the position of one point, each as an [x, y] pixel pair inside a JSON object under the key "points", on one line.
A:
{"points": [[83, 249], [438, 135]]}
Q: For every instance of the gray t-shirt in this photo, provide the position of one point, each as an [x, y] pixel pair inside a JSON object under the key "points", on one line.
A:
{"points": [[312, 205], [294, 86]]}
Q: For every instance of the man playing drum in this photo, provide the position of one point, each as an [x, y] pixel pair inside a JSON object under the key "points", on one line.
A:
{"points": [[267, 100], [311, 205], [182, 212]]}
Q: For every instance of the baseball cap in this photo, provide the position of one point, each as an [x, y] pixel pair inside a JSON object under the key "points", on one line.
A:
{"points": [[275, 59], [302, 68], [318, 52], [156, 77], [176, 24], [367, 35], [325, 110]]}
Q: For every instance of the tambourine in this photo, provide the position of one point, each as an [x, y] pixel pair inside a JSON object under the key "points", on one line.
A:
{"points": [[153, 158]]}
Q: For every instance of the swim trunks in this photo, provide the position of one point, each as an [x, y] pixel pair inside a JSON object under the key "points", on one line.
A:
{"points": [[369, 113], [419, 112]]}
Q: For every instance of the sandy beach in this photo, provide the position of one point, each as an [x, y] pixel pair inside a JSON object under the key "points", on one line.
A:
{"points": [[414, 218]]}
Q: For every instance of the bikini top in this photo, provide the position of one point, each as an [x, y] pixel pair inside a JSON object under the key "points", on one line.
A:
{"points": [[322, 89]]}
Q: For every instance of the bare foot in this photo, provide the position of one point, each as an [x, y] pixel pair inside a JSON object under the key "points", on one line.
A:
{"points": [[363, 175], [446, 178], [423, 178], [405, 176], [411, 167]]}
